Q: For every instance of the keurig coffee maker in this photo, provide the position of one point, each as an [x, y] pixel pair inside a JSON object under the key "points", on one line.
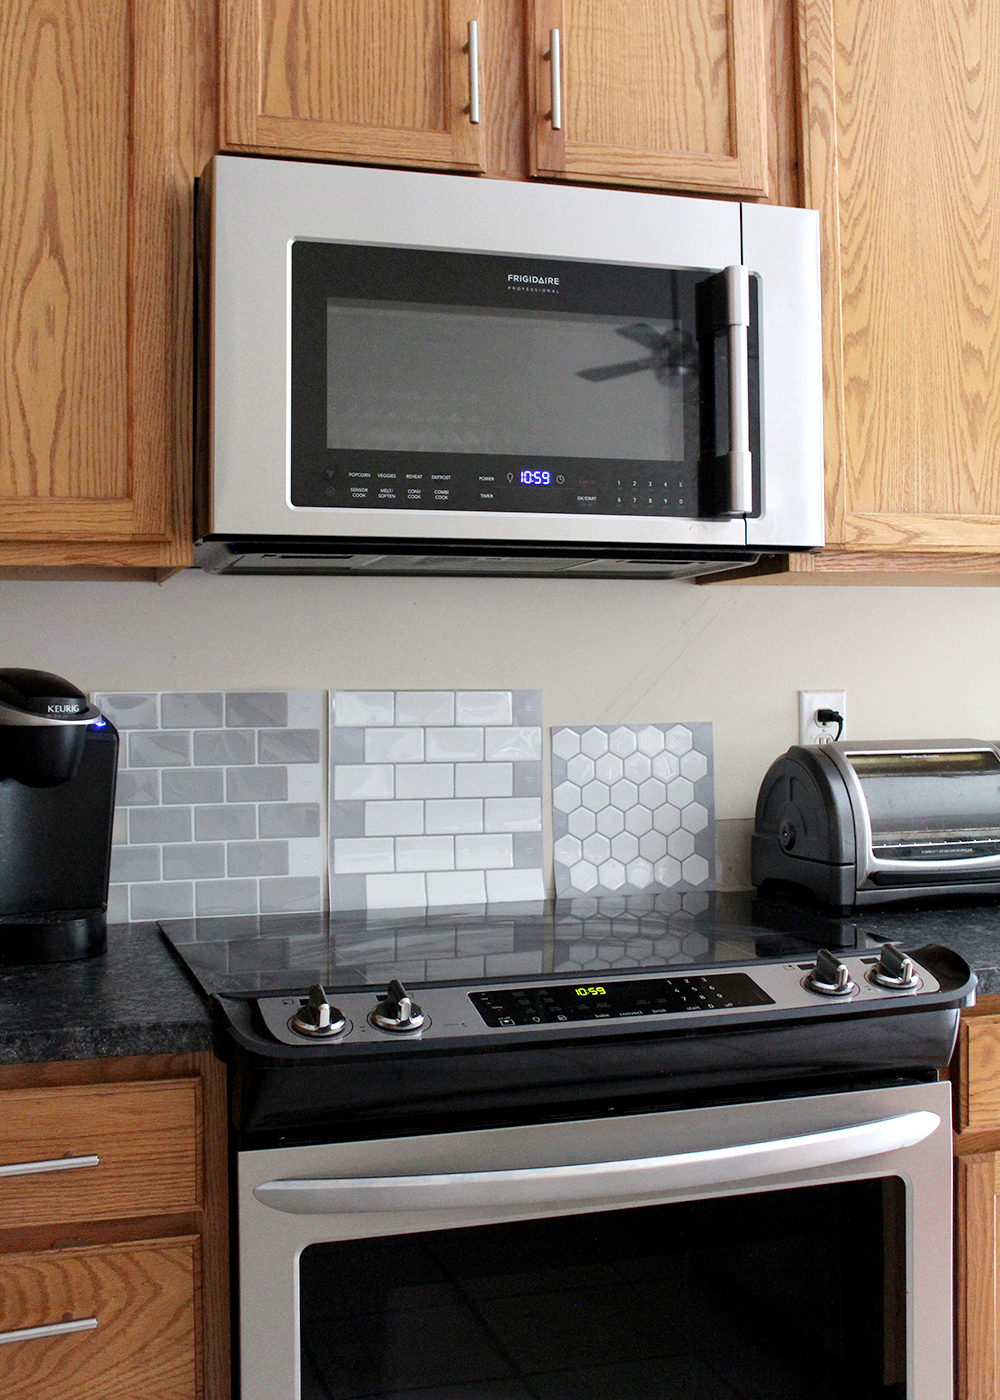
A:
{"points": [[58, 763]]}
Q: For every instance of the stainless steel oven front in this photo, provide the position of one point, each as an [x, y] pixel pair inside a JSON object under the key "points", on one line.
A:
{"points": [[794, 1247]]}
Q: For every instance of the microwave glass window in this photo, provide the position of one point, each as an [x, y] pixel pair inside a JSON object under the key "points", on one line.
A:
{"points": [[509, 383], [431, 380]]}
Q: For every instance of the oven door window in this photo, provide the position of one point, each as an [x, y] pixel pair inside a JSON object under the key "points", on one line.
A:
{"points": [[431, 380], [798, 1294]]}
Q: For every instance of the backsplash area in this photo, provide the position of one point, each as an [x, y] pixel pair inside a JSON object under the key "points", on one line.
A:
{"points": [[217, 809]]}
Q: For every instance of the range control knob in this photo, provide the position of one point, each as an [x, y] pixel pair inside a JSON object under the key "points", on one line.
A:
{"points": [[316, 1017], [830, 977], [397, 1011], [894, 970]]}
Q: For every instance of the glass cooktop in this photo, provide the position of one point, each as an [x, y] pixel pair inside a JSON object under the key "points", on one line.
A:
{"points": [[288, 952]]}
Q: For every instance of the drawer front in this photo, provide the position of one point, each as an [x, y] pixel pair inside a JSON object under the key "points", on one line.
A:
{"points": [[144, 1136], [142, 1298]]}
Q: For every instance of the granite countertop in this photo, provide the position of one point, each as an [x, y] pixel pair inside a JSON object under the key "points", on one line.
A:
{"points": [[135, 999]]}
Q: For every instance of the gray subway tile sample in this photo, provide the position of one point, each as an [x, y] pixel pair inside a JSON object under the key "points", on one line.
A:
{"points": [[288, 746], [159, 824], [255, 785], [221, 747], [194, 861], [192, 709], [133, 863], [256, 709], [191, 785], [158, 748], [290, 894], [130, 710], [138, 788], [225, 897], [166, 900], [228, 822], [257, 858], [288, 819]]}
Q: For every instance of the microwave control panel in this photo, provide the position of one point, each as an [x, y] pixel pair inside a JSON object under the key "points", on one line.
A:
{"points": [[667, 490]]}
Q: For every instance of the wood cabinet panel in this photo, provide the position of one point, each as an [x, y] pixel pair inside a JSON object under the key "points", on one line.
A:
{"points": [[976, 1318], [143, 1300], [99, 132], [899, 120], [146, 1136], [665, 95], [380, 82]]}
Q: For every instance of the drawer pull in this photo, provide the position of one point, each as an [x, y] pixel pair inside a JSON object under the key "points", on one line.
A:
{"points": [[56, 1329], [55, 1164]]}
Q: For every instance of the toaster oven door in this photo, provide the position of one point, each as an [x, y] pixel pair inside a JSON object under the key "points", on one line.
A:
{"points": [[927, 816]]}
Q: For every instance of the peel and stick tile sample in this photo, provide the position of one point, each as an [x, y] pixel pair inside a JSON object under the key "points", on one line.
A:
{"points": [[633, 808], [217, 809], [435, 798]]}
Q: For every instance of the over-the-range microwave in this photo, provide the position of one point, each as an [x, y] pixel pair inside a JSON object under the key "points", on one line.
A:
{"points": [[404, 372]]}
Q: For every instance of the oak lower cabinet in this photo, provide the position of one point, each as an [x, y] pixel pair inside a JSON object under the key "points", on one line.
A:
{"points": [[976, 1092], [113, 1229], [101, 135], [630, 92]]}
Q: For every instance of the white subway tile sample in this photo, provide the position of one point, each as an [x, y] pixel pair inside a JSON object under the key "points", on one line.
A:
{"points": [[444, 779]]}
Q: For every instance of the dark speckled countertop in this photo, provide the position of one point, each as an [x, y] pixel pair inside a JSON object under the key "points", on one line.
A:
{"points": [[137, 1000]]}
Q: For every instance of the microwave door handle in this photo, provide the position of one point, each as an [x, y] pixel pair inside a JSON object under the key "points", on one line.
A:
{"points": [[740, 474], [597, 1183]]}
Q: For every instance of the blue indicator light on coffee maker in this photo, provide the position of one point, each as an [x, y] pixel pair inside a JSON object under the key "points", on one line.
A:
{"points": [[98, 724]]}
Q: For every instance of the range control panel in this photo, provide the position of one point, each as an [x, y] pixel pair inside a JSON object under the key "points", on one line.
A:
{"points": [[601, 1001], [685, 1000]]}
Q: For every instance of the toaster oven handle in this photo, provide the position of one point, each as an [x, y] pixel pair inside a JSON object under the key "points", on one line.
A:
{"points": [[740, 476], [597, 1182]]}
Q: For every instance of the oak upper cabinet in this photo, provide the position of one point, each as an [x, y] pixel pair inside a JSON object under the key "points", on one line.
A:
{"points": [[96, 146], [901, 142], [647, 93], [386, 81], [639, 92]]}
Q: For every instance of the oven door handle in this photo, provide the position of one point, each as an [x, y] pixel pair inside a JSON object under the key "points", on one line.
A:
{"points": [[598, 1183]]}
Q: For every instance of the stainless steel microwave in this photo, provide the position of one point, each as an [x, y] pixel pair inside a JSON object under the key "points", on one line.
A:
{"points": [[405, 372]]}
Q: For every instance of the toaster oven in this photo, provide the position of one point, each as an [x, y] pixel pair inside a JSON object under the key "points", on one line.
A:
{"points": [[871, 823]]}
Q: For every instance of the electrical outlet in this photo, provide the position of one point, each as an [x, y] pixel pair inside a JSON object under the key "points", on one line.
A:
{"points": [[810, 730]]}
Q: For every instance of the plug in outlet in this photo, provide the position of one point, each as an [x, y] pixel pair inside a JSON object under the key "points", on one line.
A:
{"points": [[810, 729]]}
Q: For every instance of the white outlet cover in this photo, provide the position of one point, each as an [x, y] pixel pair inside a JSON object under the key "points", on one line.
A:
{"points": [[809, 702]]}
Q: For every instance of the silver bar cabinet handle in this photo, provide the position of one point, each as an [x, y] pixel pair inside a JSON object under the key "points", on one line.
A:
{"points": [[554, 58], [644, 1178], [472, 49], [740, 459], [56, 1329], [56, 1164]]}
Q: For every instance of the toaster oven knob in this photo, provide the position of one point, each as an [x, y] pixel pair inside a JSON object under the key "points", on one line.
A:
{"points": [[830, 977], [316, 1017], [397, 1011], [894, 970]]}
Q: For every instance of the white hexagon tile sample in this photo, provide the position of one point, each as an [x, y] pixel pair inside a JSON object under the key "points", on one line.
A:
{"points": [[633, 808]]}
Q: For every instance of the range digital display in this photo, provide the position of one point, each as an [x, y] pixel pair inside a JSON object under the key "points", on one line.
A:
{"points": [[601, 1001]]}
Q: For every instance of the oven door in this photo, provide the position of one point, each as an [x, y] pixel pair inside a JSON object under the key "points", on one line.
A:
{"points": [[796, 1248]]}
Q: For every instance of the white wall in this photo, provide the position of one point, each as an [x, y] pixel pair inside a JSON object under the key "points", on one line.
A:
{"points": [[915, 662]]}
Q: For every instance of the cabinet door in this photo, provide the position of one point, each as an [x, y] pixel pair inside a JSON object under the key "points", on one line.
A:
{"points": [[670, 95], [902, 123], [94, 271], [135, 1305], [383, 81]]}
